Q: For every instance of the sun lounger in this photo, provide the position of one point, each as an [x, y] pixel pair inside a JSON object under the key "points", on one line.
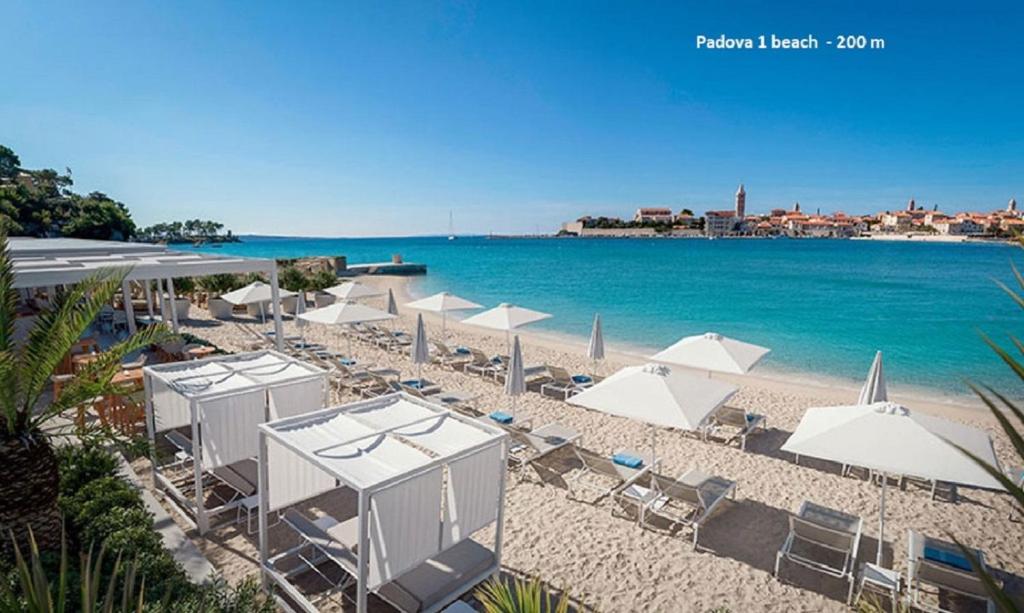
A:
{"points": [[380, 387], [686, 501], [480, 364], [942, 566], [530, 447], [738, 421], [827, 532], [331, 540], [602, 476], [450, 359], [563, 384], [441, 579]]}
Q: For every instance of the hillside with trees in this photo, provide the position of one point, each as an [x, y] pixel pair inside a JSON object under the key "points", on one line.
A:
{"points": [[190, 231], [41, 203]]}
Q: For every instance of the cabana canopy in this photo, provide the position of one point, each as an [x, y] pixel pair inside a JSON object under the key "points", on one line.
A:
{"points": [[427, 479], [222, 400], [49, 262]]}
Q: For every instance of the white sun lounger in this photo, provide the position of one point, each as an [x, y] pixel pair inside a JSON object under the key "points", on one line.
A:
{"points": [[530, 447], [737, 421], [689, 500], [823, 529], [943, 566]]}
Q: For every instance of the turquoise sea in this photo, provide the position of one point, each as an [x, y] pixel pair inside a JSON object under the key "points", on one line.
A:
{"points": [[823, 306]]}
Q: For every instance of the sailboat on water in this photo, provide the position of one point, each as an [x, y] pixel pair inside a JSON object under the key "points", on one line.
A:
{"points": [[451, 227]]}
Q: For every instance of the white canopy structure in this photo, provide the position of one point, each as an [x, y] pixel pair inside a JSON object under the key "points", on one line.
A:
{"points": [[51, 262], [657, 395], [712, 352], [427, 480], [443, 303], [889, 439], [350, 290], [209, 410], [506, 317]]}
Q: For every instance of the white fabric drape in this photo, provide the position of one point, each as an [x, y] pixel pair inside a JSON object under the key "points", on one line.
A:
{"points": [[404, 524], [474, 485], [229, 427], [170, 409], [291, 478], [296, 398]]}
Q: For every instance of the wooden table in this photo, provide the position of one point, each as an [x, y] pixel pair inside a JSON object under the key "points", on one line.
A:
{"points": [[196, 353]]}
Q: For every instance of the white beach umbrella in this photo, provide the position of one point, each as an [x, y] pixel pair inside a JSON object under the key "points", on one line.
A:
{"points": [[443, 303], [712, 352], [506, 317], [595, 349], [874, 386], [300, 323], [890, 439], [392, 306], [256, 292], [657, 395], [350, 290], [515, 378], [419, 350], [345, 313]]}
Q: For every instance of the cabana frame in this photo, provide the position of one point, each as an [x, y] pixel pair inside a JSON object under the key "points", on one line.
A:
{"points": [[192, 508], [496, 438]]}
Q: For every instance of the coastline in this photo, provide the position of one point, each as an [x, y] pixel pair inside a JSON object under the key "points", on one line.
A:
{"points": [[835, 390]]}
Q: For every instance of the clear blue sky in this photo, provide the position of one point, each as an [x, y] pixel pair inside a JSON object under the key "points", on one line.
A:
{"points": [[343, 118]]}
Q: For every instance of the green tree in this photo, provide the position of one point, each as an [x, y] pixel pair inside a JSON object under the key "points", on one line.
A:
{"points": [[9, 163], [99, 217], [28, 467]]}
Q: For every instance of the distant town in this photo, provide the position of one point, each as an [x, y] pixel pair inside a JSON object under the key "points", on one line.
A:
{"points": [[909, 223]]}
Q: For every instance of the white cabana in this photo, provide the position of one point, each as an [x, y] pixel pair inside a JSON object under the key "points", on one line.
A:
{"points": [[258, 293], [712, 352], [657, 395], [889, 439], [427, 480], [443, 303], [506, 317], [51, 262], [350, 290], [209, 409]]}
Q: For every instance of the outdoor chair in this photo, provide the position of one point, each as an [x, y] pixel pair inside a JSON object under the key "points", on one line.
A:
{"points": [[689, 500], [825, 532], [738, 422], [602, 476], [528, 448], [563, 384], [944, 567]]}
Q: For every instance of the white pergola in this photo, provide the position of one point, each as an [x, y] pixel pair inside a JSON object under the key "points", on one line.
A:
{"points": [[222, 399], [427, 479], [50, 262]]}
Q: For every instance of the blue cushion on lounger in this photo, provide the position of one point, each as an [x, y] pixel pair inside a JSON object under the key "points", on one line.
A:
{"points": [[501, 417], [956, 559], [463, 350], [629, 461], [415, 384], [347, 361], [581, 379], [751, 417]]}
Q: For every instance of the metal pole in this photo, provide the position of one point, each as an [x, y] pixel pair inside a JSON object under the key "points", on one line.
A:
{"points": [[264, 505], [149, 299], [499, 529], [363, 552], [174, 304], [881, 523], [197, 464], [275, 299], [129, 308]]}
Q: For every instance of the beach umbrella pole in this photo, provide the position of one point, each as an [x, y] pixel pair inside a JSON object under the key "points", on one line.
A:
{"points": [[881, 523], [654, 457]]}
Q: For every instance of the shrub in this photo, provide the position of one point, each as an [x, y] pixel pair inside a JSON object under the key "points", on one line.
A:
{"points": [[322, 279], [293, 280], [80, 465]]}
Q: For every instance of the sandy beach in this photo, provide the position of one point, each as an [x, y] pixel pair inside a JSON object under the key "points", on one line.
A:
{"points": [[609, 563]]}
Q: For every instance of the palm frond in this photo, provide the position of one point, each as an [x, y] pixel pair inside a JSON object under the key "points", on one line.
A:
{"points": [[94, 380], [1011, 432], [994, 589], [56, 331], [8, 315]]}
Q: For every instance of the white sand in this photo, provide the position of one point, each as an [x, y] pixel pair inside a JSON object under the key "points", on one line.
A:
{"points": [[611, 564]]}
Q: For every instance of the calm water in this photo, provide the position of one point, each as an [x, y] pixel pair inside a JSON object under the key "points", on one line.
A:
{"points": [[823, 306]]}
